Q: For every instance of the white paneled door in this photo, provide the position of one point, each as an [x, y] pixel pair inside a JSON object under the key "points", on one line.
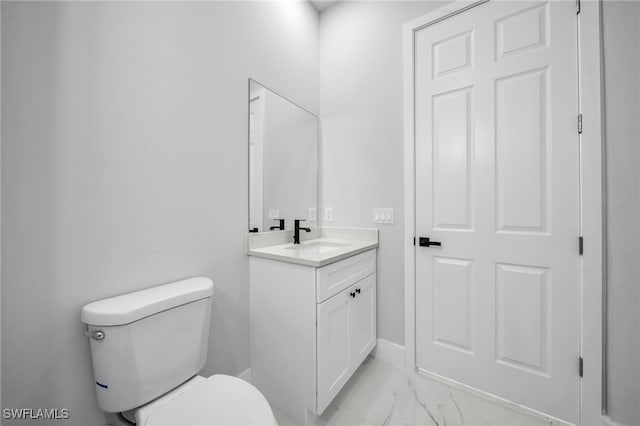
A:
{"points": [[497, 184]]}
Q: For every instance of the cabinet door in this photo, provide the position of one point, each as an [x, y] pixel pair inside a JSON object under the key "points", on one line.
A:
{"points": [[363, 319], [335, 364]]}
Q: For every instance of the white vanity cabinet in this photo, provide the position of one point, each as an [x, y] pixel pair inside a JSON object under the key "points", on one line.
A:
{"points": [[310, 327]]}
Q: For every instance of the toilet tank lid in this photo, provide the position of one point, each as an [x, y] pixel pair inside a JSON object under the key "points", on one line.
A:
{"points": [[130, 307]]}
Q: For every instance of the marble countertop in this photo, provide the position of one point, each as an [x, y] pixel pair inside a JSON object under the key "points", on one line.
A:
{"points": [[320, 247]]}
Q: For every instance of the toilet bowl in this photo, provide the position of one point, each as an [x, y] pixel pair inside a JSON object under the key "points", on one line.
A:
{"points": [[217, 400], [147, 348]]}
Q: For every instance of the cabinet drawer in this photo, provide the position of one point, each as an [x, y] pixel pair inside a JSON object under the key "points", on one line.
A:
{"points": [[334, 278]]}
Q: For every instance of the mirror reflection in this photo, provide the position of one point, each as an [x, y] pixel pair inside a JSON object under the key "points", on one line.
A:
{"points": [[283, 162]]}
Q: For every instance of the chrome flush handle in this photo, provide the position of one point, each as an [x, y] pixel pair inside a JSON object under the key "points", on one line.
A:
{"points": [[95, 334]]}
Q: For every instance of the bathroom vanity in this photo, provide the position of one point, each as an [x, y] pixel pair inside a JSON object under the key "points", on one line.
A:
{"points": [[312, 315]]}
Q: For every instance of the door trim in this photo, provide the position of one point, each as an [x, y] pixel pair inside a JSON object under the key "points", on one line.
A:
{"points": [[591, 200]]}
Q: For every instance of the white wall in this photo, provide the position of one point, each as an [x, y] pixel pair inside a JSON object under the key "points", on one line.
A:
{"points": [[124, 165], [361, 113], [621, 21]]}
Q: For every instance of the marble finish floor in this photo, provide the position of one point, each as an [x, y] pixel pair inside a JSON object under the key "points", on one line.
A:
{"points": [[382, 394]]}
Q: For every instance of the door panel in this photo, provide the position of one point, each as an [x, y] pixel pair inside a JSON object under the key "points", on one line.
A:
{"points": [[497, 182], [523, 31], [452, 54], [452, 303], [522, 316], [452, 154], [521, 148]]}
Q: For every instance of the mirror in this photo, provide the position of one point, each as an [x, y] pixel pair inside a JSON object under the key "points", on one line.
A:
{"points": [[283, 161]]}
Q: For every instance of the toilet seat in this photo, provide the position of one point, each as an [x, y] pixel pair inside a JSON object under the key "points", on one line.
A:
{"points": [[217, 400]]}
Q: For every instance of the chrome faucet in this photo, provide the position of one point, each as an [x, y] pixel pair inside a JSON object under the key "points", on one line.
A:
{"points": [[296, 230]]}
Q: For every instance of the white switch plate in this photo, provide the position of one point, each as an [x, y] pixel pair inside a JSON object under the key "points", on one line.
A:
{"points": [[382, 215], [312, 213], [328, 214], [274, 213]]}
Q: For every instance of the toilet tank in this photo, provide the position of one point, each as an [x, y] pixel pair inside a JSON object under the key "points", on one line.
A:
{"points": [[144, 344]]}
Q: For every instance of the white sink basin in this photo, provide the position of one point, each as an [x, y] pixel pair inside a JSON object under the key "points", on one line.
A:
{"points": [[316, 247], [319, 250]]}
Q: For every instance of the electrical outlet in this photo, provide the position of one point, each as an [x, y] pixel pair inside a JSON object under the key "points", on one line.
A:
{"points": [[328, 214], [312, 213]]}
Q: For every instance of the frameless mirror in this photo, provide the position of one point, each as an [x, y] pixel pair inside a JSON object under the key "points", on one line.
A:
{"points": [[283, 161]]}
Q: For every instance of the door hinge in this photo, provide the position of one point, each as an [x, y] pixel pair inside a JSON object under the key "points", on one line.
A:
{"points": [[577, 6], [581, 245], [580, 366], [414, 241], [579, 123]]}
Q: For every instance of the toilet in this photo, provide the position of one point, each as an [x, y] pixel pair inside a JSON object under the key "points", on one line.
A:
{"points": [[147, 348]]}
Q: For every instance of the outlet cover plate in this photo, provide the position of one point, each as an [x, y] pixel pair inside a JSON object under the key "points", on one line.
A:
{"points": [[383, 215], [328, 214]]}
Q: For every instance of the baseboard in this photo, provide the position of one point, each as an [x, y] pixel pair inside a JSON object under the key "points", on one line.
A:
{"points": [[390, 352], [606, 421], [245, 375]]}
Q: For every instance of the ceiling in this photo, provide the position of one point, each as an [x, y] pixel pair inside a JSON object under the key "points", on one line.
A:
{"points": [[323, 4]]}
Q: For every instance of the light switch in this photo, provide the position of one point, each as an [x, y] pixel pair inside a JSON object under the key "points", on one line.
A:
{"points": [[382, 215], [312, 213], [274, 214]]}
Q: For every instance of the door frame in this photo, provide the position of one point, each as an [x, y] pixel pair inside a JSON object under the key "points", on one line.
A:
{"points": [[259, 96], [591, 195]]}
